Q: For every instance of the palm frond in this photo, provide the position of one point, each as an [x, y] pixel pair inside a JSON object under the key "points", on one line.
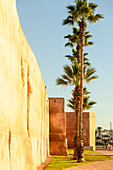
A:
{"points": [[86, 99], [71, 103], [60, 81], [90, 71], [85, 91], [72, 58], [91, 78], [71, 7], [87, 32], [87, 63], [86, 59], [74, 51], [71, 76], [67, 36], [68, 56], [92, 103], [85, 54], [69, 21], [75, 30], [89, 74], [94, 18], [68, 71], [90, 43], [66, 78], [88, 36], [71, 106], [69, 44], [93, 5], [87, 104], [76, 68], [100, 16]]}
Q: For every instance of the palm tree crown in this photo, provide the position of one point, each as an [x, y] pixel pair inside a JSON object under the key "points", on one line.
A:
{"points": [[82, 11]]}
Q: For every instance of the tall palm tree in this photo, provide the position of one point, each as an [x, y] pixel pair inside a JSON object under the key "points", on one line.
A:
{"points": [[80, 13], [72, 41], [75, 57]]}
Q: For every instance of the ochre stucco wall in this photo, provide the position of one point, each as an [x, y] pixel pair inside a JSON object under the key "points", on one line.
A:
{"points": [[24, 105]]}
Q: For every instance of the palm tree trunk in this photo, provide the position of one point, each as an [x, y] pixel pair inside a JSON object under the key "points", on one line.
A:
{"points": [[82, 41], [75, 132], [77, 110]]}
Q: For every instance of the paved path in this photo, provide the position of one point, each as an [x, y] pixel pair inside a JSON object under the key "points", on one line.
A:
{"points": [[100, 165], [43, 165], [106, 152]]}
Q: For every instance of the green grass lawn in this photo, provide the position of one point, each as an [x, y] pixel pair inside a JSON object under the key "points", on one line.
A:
{"points": [[71, 152], [62, 162]]}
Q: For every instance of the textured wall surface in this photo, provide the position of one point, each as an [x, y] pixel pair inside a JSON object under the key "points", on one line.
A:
{"points": [[88, 128], [57, 127], [70, 126], [24, 106], [92, 129]]}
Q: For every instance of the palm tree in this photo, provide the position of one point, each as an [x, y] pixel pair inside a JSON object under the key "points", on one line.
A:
{"points": [[72, 77], [72, 40], [80, 13]]}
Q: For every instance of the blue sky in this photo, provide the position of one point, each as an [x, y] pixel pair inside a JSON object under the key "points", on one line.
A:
{"points": [[41, 21]]}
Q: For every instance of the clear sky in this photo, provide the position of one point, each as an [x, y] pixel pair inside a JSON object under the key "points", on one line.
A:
{"points": [[41, 21]]}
